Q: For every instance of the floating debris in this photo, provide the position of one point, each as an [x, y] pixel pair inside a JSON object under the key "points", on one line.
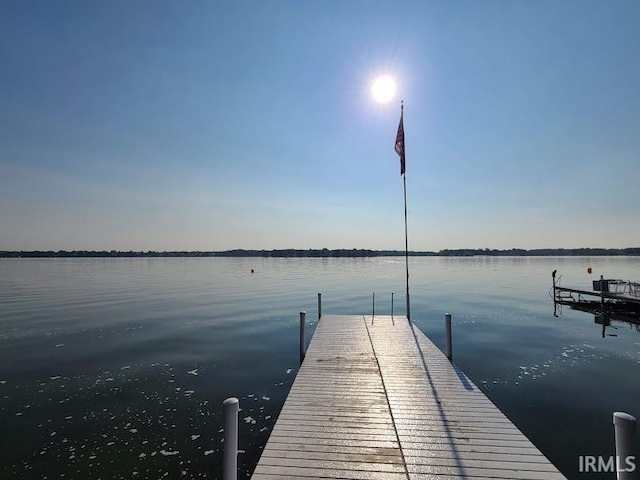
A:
{"points": [[169, 453]]}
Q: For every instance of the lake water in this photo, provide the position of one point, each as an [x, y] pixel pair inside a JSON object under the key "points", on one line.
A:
{"points": [[117, 368]]}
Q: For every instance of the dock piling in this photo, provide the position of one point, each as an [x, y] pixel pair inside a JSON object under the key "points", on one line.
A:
{"points": [[391, 305], [555, 297], [625, 435], [230, 408], [319, 306], [303, 346], [447, 319]]}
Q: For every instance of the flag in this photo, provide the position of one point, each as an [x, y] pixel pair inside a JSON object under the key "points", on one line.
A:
{"points": [[400, 143]]}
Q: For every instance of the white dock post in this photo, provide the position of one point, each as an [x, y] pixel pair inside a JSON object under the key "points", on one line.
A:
{"points": [[303, 346], [625, 434], [230, 408], [319, 306], [447, 319], [373, 310]]}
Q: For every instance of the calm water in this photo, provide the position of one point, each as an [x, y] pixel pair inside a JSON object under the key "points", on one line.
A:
{"points": [[117, 368]]}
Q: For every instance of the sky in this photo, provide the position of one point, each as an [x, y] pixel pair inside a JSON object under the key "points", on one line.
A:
{"points": [[210, 125]]}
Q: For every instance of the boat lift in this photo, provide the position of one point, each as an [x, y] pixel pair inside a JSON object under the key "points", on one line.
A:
{"points": [[610, 299]]}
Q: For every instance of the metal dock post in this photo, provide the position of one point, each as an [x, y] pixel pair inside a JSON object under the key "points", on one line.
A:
{"points": [[625, 433], [447, 319], [303, 346], [230, 408]]}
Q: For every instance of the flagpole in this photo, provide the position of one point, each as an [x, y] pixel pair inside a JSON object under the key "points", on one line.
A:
{"points": [[406, 243], [400, 150], [402, 154]]}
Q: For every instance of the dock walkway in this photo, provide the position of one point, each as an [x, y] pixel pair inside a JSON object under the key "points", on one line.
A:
{"points": [[376, 399]]}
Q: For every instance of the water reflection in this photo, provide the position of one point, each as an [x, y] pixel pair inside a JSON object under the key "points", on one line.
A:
{"points": [[610, 319]]}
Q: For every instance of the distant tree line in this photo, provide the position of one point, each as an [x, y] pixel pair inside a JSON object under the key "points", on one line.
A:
{"points": [[325, 252], [542, 252], [290, 252]]}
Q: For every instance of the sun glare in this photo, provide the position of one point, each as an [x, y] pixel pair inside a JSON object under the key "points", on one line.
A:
{"points": [[383, 89]]}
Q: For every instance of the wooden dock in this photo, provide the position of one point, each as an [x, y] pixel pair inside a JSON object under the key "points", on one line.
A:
{"points": [[376, 399]]}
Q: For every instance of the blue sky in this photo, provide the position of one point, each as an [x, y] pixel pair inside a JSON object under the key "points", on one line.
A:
{"points": [[209, 125]]}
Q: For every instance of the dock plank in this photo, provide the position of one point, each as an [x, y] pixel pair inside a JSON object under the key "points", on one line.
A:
{"points": [[376, 399]]}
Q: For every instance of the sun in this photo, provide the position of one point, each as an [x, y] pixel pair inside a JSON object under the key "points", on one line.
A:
{"points": [[383, 89]]}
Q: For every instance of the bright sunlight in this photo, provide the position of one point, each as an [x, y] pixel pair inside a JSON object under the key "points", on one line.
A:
{"points": [[383, 89]]}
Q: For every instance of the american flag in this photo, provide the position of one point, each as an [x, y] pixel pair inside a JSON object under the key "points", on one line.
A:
{"points": [[400, 143]]}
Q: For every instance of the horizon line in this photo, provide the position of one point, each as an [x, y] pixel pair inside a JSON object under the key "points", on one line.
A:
{"points": [[326, 252]]}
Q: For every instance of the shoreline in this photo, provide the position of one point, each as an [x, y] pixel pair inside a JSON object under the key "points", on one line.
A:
{"points": [[327, 253]]}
